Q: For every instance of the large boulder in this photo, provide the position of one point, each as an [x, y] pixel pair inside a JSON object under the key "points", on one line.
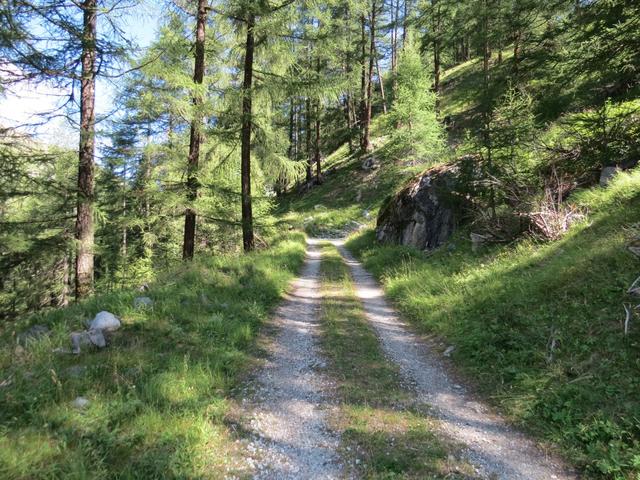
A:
{"points": [[425, 213]]}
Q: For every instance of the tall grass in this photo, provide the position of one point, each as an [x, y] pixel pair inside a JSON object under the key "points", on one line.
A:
{"points": [[158, 393]]}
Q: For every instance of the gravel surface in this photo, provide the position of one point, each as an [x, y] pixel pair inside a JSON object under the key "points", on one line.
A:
{"points": [[286, 414], [496, 450]]}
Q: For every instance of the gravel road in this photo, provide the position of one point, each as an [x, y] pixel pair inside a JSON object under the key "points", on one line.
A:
{"points": [[496, 450], [286, 414]]}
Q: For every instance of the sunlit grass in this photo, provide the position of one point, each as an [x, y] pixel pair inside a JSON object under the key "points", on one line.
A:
{"points": [[158, 393], [538, 326], [385, 433]]}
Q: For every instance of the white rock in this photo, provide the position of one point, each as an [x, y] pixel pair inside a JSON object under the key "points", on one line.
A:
{"points": [[97, 338], [449, 351], [80, 402], [105, 321]]}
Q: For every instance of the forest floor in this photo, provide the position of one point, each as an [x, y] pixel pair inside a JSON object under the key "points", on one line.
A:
{"points": [[350, 391]]}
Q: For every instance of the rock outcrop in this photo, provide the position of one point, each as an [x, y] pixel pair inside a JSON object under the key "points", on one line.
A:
{"points": [[424, 214]]}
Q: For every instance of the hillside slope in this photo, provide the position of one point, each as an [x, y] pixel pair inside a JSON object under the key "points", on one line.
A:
{"points": [[538, 327]]}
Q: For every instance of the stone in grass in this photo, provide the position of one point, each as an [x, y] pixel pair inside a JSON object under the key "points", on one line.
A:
{"points": [[33, 334], [607, 174], [449, 351], [80, 402], [84, 339], [142, 302], [97, 338], [105, 321], [370, 163], [79, 340]]}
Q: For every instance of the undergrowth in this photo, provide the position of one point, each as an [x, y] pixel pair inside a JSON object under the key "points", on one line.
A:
{"points": [[158, 392]]}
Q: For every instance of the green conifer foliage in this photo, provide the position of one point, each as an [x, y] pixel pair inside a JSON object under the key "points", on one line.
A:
{"points": [[415, 129]]}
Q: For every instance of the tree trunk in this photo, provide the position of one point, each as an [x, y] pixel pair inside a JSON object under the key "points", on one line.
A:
{"points": [[124, 251], [248, 241], [146, 179], [363, 78], [487, 106], [366, 140], [381, 82], [436, 46], [516, 52], [292, 126], [405, 21], [84, 215], [394, 48], [486, 47], [296, 143], [307, 128], [348, 116], [63, 298], [317, 146], [195, 137]]}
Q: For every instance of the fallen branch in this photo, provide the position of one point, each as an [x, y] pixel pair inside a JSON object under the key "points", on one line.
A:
{"points": [[634, 289]]}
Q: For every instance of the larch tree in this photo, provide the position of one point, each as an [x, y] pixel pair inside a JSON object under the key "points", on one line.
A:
{"points": [[57, 42], [86, 160], [195, 136], [248, 240]]}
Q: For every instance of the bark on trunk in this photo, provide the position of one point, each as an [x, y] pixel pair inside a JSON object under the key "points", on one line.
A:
{"points": [[248, 241], [405, 22], [363, 78], [516, 52], [292, 126], [63, 297], [348, 116], [366, 140], [84, 215], [195, 137], [394, 49], [487, 107], [317, 146], [381, 83], [307, 128], [436, 46]]}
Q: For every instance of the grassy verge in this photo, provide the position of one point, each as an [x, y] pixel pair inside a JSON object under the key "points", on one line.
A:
{"points": [[384, 433], [539, 327], [158, 392]]}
